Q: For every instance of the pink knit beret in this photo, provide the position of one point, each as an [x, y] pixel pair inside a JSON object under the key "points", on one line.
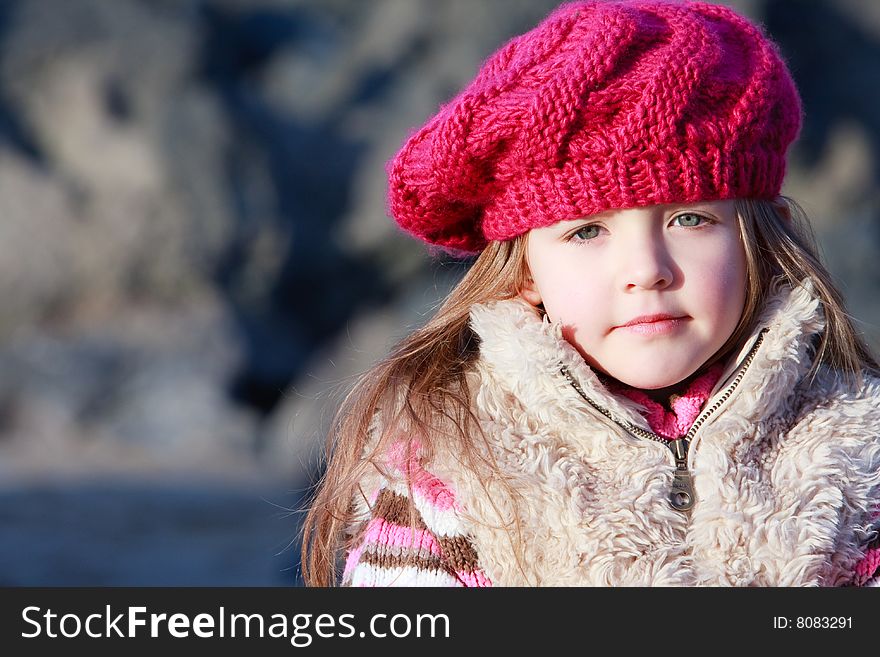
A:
{"points": [[613, 104]]}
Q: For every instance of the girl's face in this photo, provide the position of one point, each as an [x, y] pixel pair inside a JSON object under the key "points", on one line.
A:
{"points": [[597, 274]]}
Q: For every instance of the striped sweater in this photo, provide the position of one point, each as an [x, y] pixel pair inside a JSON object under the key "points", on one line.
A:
{"points": [[390, 553], [447, 548]]}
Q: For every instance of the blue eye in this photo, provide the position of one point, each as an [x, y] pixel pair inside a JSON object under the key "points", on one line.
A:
{"points": [[690, 220], [586, 233]]}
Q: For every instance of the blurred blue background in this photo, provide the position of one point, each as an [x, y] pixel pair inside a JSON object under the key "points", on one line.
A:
{"points": [[195, 259]]}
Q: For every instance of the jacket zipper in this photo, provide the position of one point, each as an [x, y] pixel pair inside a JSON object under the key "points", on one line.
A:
{"points": [[682, 496]]}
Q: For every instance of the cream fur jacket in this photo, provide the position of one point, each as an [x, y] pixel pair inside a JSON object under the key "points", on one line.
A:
{"points": [[784, 473]]}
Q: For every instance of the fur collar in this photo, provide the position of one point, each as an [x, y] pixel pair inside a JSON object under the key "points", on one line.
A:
{"points": [[783, 473]]}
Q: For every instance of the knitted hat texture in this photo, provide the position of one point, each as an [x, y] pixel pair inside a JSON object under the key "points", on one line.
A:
{"points": [[613, 104]]}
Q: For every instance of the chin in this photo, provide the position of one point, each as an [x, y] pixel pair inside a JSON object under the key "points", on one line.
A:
{"points": [[647, 382], [635, 376], [649, 385]]}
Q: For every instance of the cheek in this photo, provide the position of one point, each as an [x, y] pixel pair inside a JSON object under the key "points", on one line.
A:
{"points": [[575, 295], [724, 283], [559, 278]]}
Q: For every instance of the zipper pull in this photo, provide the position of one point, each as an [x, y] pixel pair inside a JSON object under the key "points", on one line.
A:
{"points": [[682, 496]]}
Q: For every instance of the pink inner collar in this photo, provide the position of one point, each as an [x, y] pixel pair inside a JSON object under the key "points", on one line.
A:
{"points": [[672, 424]]}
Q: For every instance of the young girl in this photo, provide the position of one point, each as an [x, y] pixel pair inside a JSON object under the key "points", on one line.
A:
{"points": [[646, 377]]}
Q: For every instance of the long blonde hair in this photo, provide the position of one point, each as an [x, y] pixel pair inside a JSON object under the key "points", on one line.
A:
{"points": [[426, 372], [780, 244]]}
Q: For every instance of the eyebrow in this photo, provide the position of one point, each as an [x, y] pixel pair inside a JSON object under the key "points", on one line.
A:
{"points": [[705, 207], [569, 223]]}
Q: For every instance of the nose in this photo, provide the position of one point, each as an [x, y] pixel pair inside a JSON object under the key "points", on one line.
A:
{"points": [[648, 264]]}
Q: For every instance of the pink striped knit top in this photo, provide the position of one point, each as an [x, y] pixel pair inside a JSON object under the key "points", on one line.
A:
{"points": [[437, 552]]}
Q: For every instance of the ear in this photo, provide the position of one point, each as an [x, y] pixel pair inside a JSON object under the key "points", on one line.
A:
{"points": [[530, 293], [782, 207]]}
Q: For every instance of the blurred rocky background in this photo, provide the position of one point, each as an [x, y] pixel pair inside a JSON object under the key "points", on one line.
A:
{"points": [[195, 259]]}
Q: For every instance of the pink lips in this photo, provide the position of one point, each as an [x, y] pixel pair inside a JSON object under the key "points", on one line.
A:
{"points": [[653, 324]]}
